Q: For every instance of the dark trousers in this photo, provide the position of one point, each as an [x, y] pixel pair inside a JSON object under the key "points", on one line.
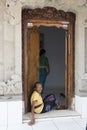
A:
{"points": [[42, 79], [49, 103]]}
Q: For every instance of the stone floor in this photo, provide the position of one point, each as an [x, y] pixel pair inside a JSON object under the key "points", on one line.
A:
{"points": [[52, 114], [61, 123]]}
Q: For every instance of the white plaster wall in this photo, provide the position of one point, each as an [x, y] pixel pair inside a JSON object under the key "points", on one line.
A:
{"points": [[9, 51], [1, 43], [18, 49], [1, 52], [80, 74], [6, 45], [81, 106], [11, 113]]}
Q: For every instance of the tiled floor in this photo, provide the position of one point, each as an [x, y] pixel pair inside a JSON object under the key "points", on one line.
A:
{"points": [[52, 114], [62, 123]]}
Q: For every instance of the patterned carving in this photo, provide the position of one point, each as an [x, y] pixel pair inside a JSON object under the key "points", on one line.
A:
{"points": [[47, 13], [12, 86]]}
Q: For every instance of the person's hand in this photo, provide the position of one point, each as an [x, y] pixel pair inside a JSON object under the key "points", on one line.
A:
{"points": [[32, 122]]}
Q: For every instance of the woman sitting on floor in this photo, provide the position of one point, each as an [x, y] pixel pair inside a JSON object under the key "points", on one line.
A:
{"points": [[38, 105]]}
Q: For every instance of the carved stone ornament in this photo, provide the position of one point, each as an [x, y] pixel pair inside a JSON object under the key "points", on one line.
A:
{"points": [[47, 13]]}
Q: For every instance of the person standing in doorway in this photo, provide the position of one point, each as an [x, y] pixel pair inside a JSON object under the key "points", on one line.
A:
{"points": [[44, 67]]}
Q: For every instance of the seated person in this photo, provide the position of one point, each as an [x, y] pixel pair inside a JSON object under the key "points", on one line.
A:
{"points": [[38, 105]]}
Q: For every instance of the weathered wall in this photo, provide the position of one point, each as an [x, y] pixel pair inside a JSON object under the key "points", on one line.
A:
{"points": [[10, 38], [1, 42], [80, 49]]}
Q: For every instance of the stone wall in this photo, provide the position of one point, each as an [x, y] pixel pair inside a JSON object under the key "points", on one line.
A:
{"points": [[11, 43], [1, 43], [10, 51], [80, 49]]}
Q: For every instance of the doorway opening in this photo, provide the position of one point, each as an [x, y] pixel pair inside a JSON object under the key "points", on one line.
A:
{"points": [[53, 41], [34, 22]]}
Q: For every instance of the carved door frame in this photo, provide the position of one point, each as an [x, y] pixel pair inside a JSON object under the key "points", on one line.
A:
{"points": [[49, 16]]}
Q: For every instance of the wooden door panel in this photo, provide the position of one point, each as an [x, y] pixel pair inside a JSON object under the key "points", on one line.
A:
{"points": [[66, 67], [33, 62], [33, 56]]}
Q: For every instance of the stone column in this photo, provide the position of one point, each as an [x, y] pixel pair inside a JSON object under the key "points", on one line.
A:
{"points": [[81, 54], [1, 44]]}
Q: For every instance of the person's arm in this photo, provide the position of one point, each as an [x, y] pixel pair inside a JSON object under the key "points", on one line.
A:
{"points": [[32, 114]]}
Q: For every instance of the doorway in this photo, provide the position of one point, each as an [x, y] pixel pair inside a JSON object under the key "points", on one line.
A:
{"points": [[53, 41], [32, 20]]}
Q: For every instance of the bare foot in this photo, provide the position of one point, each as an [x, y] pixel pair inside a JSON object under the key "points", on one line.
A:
{"points": [[61, 107], [32, 122]]}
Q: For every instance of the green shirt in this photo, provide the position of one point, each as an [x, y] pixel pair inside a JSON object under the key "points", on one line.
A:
{"points": [[44, 62]]}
